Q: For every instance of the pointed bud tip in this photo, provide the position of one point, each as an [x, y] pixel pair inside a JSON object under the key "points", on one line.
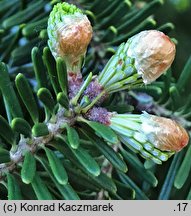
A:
{"points": [[154, 53]]}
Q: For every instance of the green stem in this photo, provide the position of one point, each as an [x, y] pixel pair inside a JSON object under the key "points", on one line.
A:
{"points": [[83, 87], [93, 102], [81, 119]]}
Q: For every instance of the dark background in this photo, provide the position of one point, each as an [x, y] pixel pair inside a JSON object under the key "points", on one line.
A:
{"points": [[177, 12]]}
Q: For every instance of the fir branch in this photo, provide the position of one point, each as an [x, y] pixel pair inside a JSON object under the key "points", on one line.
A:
{"points": [[34, 143]]}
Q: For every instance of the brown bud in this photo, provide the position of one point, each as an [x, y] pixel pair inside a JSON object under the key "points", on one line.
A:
{"points": [[73, 38], [154, 53], [164, 133]]}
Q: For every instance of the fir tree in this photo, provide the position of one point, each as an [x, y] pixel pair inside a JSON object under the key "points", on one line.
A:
{"points": [[82, 114]]}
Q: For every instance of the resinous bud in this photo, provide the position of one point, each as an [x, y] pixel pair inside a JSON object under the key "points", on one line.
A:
{"points": [[166, 134], [69, 32], [153, 52], [142, 59], [154, 138]]}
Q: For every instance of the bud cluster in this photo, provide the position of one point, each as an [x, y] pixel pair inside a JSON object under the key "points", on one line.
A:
{"points": [[141, 60]]}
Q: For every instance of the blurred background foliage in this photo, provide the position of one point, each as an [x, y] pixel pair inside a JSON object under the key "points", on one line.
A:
{"points": [[23, 26], [179, 13]]}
